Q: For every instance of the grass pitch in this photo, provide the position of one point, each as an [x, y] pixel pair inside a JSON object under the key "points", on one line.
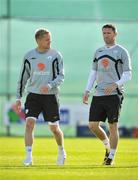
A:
{"points": [[84, 159]]}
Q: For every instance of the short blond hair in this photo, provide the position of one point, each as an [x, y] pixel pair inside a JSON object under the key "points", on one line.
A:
{"points": [[39, 33]]}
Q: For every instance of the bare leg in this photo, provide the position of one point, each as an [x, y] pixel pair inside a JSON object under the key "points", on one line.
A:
{"points": [[114, 135], [100, 133], [58, 134], [98, 130], [30, 123]]}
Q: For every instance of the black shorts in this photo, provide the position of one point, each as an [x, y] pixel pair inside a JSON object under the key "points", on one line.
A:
{"points": [[103, 107], [47, 104]]}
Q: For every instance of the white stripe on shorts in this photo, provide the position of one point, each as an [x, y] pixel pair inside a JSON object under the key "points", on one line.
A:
{"points": [[53, 123], [34, 118]]}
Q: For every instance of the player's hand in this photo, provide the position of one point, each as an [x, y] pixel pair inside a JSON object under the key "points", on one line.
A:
{"points": [[86, 97], [109, 89], [45, 89], [18, 106]]}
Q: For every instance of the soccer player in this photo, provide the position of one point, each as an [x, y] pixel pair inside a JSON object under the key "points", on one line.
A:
{"points": [[111, 68], [43, 72]]}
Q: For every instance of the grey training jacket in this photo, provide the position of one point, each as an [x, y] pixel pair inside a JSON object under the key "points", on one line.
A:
{"points": [[40, 69]]}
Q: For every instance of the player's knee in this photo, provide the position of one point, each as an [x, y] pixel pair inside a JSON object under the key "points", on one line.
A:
{"points": [[93, 127], [29, 125], [113, 127], [55, 130]]}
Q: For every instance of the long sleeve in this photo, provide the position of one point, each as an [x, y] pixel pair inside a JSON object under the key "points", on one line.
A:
{"points": [[91, 80], [126, 76], [24, 76], [58, 72]]}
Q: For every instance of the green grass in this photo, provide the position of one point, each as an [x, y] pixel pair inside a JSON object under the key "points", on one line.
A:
{"points": [[83, 161]]}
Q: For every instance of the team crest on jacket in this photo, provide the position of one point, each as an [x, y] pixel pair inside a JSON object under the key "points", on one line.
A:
{"points": [[49, 57]]}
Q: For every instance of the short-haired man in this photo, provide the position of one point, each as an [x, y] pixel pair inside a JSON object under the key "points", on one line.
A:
{"points": [[43, 72], [111, 69]]}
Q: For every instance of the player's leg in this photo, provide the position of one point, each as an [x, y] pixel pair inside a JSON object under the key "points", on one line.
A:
{"points": [[97, 114], [51, 114], [32, 110], [101, 134], [30, 123], [58, 134], [113, 112], [114, 136]]}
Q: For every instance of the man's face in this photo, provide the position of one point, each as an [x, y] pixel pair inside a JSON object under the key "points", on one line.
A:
{"points": [[44, 42], [108, 35]]}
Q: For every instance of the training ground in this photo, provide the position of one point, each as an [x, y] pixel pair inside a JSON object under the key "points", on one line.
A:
{"points": [[84, 159]]}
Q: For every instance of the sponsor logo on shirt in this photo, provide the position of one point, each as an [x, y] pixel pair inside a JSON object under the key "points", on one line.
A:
{"points": [[42, 70], [41, 66], [105, 63], [41, 73]]}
